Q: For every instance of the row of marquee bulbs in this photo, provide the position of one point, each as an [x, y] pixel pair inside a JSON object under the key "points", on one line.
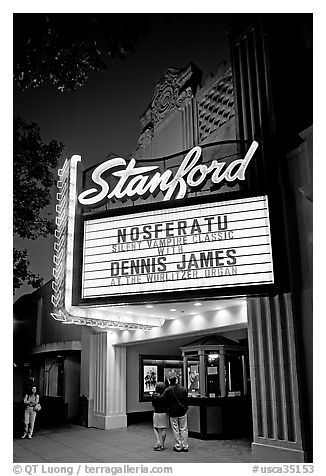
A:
{"points": [[150, 306]]}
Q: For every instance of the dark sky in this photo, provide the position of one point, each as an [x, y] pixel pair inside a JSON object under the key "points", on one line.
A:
{"points": [[103, 116]]}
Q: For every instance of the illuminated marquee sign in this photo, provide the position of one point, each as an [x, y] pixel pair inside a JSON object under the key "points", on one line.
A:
{"points": [[138, 181], [212, 245]]}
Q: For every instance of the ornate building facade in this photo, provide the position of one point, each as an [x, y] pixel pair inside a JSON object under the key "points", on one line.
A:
{"points": [[255, 99]]}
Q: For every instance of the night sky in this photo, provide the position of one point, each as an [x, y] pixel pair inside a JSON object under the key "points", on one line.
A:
{"points": [[103, 116]]}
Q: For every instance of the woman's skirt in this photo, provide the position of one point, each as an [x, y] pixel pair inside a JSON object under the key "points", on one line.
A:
{"points": [[160, 420]]}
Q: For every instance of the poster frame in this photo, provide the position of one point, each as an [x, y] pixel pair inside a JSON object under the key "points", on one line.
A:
{"points": [[162, 363]]}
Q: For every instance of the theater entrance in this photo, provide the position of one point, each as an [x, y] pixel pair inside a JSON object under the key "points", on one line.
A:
{"points": [[206, 346]]}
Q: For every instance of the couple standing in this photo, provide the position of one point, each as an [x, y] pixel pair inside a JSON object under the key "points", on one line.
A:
{"points": [[172, 401]]}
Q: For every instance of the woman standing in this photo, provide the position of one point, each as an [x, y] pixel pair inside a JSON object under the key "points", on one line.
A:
{"points": [[31, 400], [160, 417]]}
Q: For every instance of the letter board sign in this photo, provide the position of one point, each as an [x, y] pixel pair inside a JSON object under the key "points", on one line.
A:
{"points": [[213, 245]]}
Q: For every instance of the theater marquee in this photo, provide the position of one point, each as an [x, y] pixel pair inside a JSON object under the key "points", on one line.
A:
{"points": [[212, 245]]}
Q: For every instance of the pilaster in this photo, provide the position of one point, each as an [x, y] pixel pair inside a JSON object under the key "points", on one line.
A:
{"points": [[189, 125], [105, 380], [274, 381], [39, 321]]}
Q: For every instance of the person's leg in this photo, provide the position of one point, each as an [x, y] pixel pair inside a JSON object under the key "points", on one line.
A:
{"points": [[160, 432], [26, 421], [31, 423], [157, 437], [163, 437], [183, 425], [175, 429]]}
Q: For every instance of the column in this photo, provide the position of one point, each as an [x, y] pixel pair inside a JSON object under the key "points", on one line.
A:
{"points": [[39, 321], [185, 371], [103, 380], [274, 381], [189, 124], [222, 373], [202, 373]]}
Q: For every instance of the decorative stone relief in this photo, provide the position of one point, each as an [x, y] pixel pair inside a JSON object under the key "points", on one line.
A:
{"points": [[146, 136], [216, 106], [172, 91], [184, 97]]}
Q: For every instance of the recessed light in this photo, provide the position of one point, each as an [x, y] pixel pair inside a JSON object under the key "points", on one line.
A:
{"points": [[149, 306], [197, 303], [173, 310]]}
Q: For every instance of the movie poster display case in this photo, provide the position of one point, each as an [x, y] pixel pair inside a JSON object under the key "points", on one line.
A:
{"points": [[153, 369], [216, 371]]}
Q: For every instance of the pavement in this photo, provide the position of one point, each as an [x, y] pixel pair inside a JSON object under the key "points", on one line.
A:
{"points": [[134, 444]]}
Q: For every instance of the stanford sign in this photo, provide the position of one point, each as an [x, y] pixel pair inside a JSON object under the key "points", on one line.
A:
{"points": [[136, 181]]}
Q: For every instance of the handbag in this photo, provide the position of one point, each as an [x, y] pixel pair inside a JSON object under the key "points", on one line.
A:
{"points": [[37, 407]]}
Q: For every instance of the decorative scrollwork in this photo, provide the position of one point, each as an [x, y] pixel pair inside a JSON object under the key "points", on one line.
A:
{"points": [[146, 137], [165, 96], [172, 91]]}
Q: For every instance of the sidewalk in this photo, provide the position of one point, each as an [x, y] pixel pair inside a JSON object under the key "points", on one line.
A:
{"points": [[134, 444]]}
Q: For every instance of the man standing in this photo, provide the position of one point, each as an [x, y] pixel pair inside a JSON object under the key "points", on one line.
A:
{"points": [[175, 397]]}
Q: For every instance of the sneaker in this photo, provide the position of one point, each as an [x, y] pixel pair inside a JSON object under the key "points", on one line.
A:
{"points": [[178, 450], [158, 448], [185, 450], [29, 436], [162, 448], [24, 435]]}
